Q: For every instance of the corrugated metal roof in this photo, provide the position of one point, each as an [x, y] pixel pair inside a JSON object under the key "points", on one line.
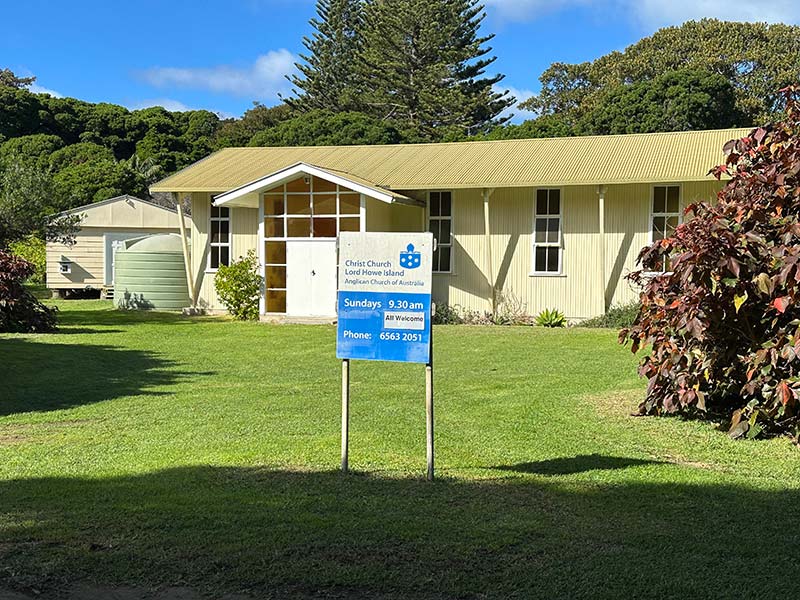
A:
{"points": [[653, 157]]}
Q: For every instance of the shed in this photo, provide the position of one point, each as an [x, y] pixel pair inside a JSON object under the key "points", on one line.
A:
{"points": [[89, 262]]}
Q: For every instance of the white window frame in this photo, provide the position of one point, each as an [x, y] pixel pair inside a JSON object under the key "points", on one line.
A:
{"points": [[338, 215], [228, 244], [558, 244], [653, 214], [441, 243]]}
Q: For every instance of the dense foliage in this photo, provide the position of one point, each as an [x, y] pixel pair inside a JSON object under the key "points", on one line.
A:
{"points": [[618, 316], [20, 311], [238, 287], [325, 128], [756, 58], [723, 325], [681, 100], [33, 250], [546, 126]]}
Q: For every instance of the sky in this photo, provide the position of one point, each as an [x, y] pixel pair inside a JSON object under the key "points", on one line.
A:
{"points": [[223, 55]]}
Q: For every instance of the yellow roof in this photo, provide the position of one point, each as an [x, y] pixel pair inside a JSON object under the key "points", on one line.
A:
{"points": [[652, 157]]}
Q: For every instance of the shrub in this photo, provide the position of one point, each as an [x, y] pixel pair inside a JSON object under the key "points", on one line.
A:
{"points": [[20, 311], [550, 317], [33, 250], [723, 326], [616, 317], [454, 314], [510, 310], [447, 314], [238, 287]]}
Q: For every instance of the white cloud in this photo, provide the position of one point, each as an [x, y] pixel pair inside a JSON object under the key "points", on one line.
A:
{"points": [[38, 89], [264, 79], [168, 103], [173, 106], [655, 13], [520, 95]]}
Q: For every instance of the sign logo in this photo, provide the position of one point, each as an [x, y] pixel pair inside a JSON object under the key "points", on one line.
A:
{"points": [[410, 259]]}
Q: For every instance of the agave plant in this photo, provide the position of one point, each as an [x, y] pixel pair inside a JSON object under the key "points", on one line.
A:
{"points": [[550, 317]]}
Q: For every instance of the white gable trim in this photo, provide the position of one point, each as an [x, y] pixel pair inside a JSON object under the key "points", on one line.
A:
{"points": [[235, 196], [124, 197]]}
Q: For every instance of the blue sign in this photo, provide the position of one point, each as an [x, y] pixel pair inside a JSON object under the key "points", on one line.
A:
{"points": [[384, 301]]}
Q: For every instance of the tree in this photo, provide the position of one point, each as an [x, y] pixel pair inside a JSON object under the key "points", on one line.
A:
{"points": [[30, 149], [321, 128], [239, 132], [675, 101], [27, 204], [19, 113], [424, 63], [9, 79], [85, 173], [546, 126], [722, 324], [20, 311], [328, 79], [756, 58]]}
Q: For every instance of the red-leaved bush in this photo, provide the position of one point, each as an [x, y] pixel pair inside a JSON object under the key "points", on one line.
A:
{"points": [[20, 311], [723, 326]]}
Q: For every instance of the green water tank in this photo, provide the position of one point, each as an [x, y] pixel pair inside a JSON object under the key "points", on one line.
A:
{"points": [[149, 273]]}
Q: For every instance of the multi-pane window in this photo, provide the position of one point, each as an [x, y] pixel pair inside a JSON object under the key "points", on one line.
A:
{"points": [[666, 213], [440, 224], [219, 252], [306, 207], [547, 232]]}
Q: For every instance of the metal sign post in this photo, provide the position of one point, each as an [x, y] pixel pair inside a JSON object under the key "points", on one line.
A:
{"points": [[384, 311]]}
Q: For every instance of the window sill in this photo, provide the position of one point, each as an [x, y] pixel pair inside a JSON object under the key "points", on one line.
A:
{"points": [[547, 275], [444, 273]]}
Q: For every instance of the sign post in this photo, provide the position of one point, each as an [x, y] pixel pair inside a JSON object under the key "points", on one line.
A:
{"points": [[384, 310]]}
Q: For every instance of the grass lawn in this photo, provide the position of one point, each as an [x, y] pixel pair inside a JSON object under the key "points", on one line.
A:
{"points": [[151, 450]]}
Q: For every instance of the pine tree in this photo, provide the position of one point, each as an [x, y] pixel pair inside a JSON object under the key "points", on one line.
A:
{"points": [[424, 62], [327, 79]]}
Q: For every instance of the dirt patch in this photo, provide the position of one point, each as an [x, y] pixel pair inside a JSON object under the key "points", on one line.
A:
{"points": [[20, 433], [12, 438], [695, 464], [616, 404]]}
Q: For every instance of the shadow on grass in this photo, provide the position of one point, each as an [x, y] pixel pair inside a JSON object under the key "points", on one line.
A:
{"points": [[40, 376], [109, 316], [321, 534], [84, 330], [576, 464]]}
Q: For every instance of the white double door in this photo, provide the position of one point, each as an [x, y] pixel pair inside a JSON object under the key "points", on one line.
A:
{"points": [[311, 277]]}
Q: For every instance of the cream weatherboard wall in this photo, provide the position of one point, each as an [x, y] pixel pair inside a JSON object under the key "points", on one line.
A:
{"points": [[511, 216], [244, 237], [578, 290], [628, 230]]}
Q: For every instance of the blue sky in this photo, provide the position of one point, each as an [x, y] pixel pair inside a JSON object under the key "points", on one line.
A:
{"points": [[222, 55]]}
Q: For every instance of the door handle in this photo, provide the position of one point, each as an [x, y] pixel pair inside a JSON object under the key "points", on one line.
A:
{"points": [[313, 272]]}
